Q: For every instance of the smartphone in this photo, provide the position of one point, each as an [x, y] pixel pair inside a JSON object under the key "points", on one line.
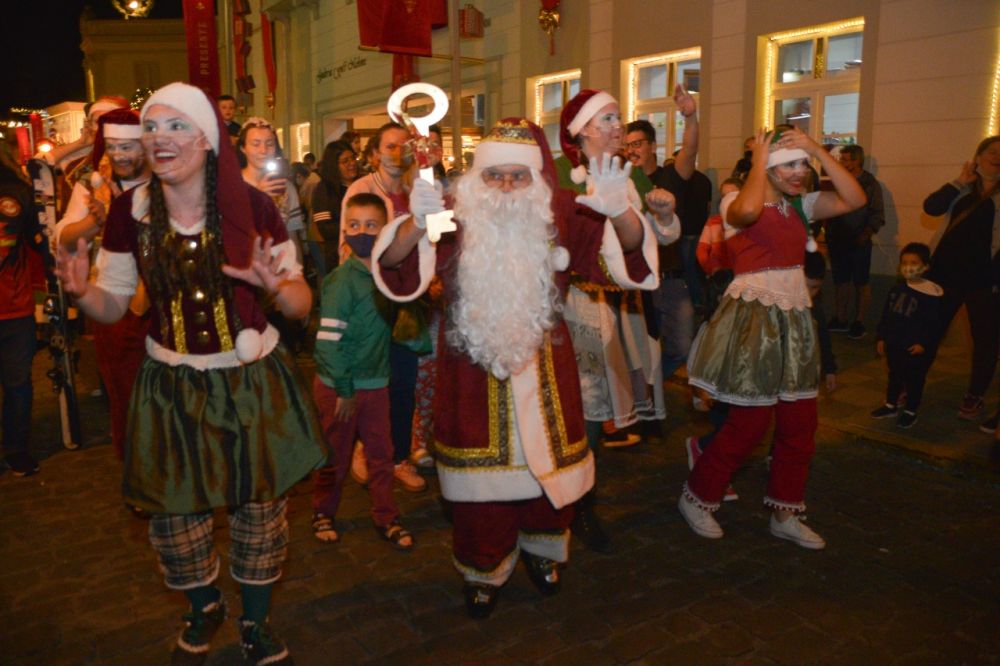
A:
{"points": [[277, 168]]}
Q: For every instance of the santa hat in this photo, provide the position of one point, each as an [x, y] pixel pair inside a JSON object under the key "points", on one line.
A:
{"points": [[517, 141], [779, 155], [116, 124], [509, 143], [231, 197], [194, 103], [105, 104], [575, 116]]}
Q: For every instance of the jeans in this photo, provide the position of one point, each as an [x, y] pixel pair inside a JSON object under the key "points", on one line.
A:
{"points": [[17, 349], [675, 315], [693, 275]]}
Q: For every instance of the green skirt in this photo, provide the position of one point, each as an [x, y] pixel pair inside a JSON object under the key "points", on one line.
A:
{"points": [[753, 354], [201, 439]]}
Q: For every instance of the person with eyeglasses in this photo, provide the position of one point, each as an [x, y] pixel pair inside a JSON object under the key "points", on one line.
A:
{"points": [[618, 358], [511, 448]]}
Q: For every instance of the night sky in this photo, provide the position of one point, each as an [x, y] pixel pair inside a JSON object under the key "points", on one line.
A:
{"points": [[42, 40]]}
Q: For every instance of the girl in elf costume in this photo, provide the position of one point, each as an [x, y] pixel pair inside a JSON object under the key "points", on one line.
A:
{"points": [[760, 353]]}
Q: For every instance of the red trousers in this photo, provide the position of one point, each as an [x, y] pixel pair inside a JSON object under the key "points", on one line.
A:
{"points": [[370, 423], [794, 445], [486, 535], [120, 349]]}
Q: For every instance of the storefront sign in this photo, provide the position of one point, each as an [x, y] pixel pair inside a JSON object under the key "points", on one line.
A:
{"points": [[357, 62]]}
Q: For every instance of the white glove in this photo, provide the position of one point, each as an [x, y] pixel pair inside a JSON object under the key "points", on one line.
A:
{"points": [[608, 194], [425, 199]]}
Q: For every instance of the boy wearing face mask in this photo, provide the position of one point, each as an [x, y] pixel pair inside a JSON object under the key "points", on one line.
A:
{"points": [[352, 378], [908, 334]]}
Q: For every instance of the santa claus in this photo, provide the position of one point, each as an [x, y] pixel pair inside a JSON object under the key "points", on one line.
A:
{"points": [[509, 439]]}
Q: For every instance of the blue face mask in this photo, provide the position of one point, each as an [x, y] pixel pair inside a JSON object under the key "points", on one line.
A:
{"points": [[361, 244]]}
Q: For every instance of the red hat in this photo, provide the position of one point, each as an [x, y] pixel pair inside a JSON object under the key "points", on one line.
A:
{"points": [[107, 103], [575, 115], [116, 124]]}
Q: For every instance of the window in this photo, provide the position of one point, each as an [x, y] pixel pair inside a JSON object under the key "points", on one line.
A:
{"points": [[811, 80], [300, 141], [548, 95], [649, 93]]}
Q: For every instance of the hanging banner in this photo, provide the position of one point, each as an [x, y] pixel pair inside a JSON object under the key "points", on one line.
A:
{"points": [[267, 39], [400, 26], [203, 60]]}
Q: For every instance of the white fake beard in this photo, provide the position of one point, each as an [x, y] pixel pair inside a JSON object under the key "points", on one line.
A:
{"points": [[507, 297]]}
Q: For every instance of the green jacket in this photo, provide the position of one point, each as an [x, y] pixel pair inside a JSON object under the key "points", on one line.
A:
{"points": [[352, 344]]}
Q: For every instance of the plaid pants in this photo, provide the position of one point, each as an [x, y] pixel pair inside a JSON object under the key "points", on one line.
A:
{"points": [[258, 532]]}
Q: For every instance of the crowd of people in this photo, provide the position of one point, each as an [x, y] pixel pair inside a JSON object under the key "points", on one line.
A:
{"points": [[505, 350]]}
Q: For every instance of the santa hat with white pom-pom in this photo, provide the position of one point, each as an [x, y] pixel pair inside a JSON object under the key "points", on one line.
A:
{"points": [[575, 116]]}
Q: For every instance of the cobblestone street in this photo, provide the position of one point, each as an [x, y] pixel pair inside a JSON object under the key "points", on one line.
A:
{"points": [[910, 575]]}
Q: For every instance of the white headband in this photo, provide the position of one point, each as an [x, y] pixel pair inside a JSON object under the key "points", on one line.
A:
{"points": [[785, 155], [589, 109], [112, 131], [192, 102]]}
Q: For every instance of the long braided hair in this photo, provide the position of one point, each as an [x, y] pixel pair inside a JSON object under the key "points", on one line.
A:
{"points": [[166, 276]]}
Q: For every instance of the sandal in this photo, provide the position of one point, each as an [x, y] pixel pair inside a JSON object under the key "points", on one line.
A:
{"points": [[323, 529], [394, 533]]}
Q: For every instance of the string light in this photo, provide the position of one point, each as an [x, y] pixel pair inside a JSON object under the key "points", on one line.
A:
{"points": [[993, 121], [776, 40], [636, 64], [543, 81]]}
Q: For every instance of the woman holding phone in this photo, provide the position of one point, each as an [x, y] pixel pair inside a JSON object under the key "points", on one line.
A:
{"points": [[268, 171]]}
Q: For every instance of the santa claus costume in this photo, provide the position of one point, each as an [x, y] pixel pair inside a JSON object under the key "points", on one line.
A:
{"points": [[509, 440]]}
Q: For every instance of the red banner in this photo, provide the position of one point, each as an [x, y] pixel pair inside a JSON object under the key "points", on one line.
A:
{"points": [[202, 50], [400, 26], [269, 67]]}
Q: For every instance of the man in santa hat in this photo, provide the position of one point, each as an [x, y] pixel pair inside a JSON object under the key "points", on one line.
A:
{"points": [[510, 446], [619, 362], [119, 164]]}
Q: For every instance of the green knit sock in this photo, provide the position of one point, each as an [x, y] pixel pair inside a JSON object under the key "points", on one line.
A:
{"points": [[256, 601], [203, 596]]}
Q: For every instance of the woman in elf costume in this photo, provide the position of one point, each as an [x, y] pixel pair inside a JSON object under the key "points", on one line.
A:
{"points": [[760, 353]]}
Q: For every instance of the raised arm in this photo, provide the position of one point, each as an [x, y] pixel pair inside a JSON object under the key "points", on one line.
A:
{"points": [[848, 194], [749, 203], [685, 160]]}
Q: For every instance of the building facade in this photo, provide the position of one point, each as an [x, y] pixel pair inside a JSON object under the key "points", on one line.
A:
{"points": [[913, 81]]}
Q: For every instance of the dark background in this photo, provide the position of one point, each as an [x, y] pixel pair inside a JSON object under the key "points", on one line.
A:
{"points": [[44, 63]]}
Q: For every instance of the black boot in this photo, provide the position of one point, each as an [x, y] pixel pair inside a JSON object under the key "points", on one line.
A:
{"points": [[480, 599], [543, 572], [587, 527]]}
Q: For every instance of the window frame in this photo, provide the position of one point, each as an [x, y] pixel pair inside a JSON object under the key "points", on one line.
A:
{"points": [[536, 95], [817, 86], [633, 106]]}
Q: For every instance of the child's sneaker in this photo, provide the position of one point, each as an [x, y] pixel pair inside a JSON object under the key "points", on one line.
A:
{"points": [[971, 407], [422, 458], [196, 637], [989, 426], [885, 411], [359, 465], [261, 647], [406, 475], [906, 419]]}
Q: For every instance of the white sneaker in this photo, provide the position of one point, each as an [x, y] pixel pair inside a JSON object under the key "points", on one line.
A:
{"points": [[795, 530], [699, 520]]}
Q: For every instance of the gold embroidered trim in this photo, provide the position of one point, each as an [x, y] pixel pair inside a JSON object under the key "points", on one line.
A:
{"points": [[497, 453], [221, 325], [177, 321]]}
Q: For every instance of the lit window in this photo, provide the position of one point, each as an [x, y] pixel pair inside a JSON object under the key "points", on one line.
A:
{"points": [[811, 80], [548, 95], [649, 93]]}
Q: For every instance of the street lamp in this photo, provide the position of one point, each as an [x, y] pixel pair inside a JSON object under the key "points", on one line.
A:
{"points": [[133, 8]]}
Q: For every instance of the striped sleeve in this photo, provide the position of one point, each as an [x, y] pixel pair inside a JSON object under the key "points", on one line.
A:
{"points": [[335, 353]]}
